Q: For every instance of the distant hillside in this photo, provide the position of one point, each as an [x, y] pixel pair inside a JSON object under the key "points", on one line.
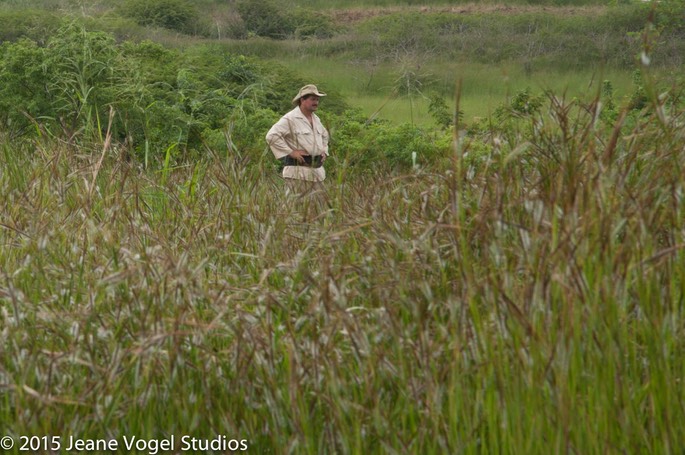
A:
{"points": [[573, 34]]}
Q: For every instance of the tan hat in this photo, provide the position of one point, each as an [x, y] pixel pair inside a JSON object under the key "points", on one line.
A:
{"points": [[307, 90]]}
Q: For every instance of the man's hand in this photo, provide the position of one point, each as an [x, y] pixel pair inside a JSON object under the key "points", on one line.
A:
{"points": [[298, 155]]}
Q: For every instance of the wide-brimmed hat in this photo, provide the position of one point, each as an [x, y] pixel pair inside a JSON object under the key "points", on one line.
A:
{"points": [[307, 90]]}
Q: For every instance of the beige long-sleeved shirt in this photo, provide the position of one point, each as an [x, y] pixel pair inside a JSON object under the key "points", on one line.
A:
{"points": [[294, 132]]}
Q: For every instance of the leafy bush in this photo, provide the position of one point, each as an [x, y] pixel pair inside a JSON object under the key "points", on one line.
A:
{"points": [[68, 81], [401, 33], [349, 139], [523, 104], [311, 24], [372, 144], [609, 112], [270, 19], [265, 18], [27, 23], [670, 16], [21, 83], [403, 145], [178, 15], [440, 112]]}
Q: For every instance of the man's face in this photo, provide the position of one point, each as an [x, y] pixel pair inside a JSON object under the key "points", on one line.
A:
{"points": [[309, 103]]}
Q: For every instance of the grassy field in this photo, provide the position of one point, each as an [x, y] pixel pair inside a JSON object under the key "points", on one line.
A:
{"points": [[529, 302], [483, 87]]}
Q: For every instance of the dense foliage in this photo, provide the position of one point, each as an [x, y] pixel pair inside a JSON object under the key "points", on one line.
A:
{"points": [[272, 19], [156, 101], [158, 98], [179, 15]]}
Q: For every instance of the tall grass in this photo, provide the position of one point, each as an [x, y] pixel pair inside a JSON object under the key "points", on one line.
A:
{"points": [[531, 302]]}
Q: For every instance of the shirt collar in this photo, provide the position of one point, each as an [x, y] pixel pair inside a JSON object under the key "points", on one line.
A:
{"points": [[298, 113]]}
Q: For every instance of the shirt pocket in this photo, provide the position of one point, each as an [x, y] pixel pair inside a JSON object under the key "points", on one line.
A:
{"points": [[321, 137], [304, 138], [303, 133]]}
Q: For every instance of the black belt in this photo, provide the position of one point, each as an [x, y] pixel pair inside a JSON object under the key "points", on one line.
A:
{"points": [[309, 161]]}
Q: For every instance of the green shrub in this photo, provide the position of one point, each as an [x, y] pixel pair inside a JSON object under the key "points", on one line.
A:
{"points": [[523, 104], [27, 23], [22, 79], [401, 33], [270, 19], [349, 139], [265, 18], [609, 111], [311, 24], [178, 15], [81, 66], [403, 145], [247, 127], [369, 144], [67, 82], [670, 16], [440, 112]]}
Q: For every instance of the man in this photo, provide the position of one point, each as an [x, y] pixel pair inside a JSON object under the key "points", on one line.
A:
{"points": [[300, 140]]}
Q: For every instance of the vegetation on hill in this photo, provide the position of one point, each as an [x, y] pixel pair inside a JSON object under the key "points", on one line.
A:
{"points": [[466, 30]]}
